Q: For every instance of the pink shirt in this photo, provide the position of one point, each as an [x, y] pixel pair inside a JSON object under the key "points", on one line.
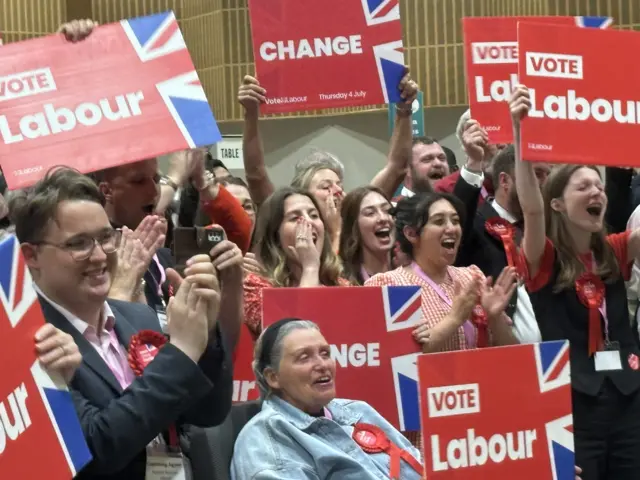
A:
{"points": [[105, 342]]}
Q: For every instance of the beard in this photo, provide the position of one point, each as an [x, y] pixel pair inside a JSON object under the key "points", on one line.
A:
{"points": [[420, 184]]}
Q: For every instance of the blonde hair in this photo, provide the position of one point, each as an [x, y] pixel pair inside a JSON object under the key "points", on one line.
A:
{"points": [[318, 160]]}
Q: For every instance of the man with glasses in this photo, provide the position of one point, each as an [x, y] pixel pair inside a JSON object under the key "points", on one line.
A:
{"points": [[71, 250]]}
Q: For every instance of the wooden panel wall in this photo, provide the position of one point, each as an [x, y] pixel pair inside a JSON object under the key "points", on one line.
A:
{"points": [[219, 38]]}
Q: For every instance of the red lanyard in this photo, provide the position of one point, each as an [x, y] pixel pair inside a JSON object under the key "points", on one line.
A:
{"points": [[143, 348], [373, 440], [591, 292]]}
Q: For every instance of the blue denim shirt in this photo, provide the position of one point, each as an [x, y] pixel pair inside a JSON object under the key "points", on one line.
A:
{"points": [[284, 443]]}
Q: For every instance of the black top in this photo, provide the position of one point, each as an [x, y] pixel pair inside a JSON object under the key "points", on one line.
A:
{"points": [[561, 316], [479, 247]]}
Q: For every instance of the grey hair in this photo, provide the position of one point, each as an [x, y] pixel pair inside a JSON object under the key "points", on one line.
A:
{"points": [[276, 352], [464, 118], [312, 163]]}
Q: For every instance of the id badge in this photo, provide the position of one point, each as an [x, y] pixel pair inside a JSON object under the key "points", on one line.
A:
{"points": [[609, 359], [162, 317], [164, 463]]}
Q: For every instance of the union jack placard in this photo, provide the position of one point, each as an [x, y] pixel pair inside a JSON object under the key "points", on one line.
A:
{"points": [[128, 92], [40, 434], [498, 413], [334, 53], [491, 56], [369, 329]]}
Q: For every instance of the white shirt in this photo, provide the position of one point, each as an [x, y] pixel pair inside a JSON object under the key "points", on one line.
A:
{"points": [[633, 285], [525, 326]]}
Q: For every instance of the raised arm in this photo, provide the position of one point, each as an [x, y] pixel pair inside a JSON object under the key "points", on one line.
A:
{"points": [[527, 186], [389, 178], [251, 95]]}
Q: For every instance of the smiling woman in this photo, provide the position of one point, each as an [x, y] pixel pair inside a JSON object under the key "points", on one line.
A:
{"points": [[303, 431]]}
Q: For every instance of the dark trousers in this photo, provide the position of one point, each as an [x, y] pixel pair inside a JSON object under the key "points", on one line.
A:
{"points": [[607, 434]]}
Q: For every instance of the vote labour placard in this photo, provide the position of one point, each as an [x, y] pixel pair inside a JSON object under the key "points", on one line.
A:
{"points": [[40, 435], [497, 413], [126, 93], [491, 55], [333, 53], [576, 100], [369, 330]]}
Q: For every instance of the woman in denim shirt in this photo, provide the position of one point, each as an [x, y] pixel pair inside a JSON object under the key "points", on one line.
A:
{"points": [[303, 431]]}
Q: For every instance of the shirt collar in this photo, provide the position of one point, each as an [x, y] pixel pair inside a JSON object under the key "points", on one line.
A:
{"points": [[502, 212], [406, 192], [339, 413], [79, 324]]}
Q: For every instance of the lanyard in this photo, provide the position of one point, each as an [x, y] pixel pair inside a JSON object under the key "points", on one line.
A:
{"points": [[483, 193], [163, 277], [469, 330]]}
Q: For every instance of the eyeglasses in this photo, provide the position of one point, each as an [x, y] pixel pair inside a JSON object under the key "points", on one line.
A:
{"points": [[81, 247]]}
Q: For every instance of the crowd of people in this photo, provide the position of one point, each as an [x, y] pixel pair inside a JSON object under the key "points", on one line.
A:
{"points": [[502, 250]]}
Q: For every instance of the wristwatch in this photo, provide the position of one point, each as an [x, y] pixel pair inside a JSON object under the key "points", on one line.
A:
{"points": [[165, 180]]}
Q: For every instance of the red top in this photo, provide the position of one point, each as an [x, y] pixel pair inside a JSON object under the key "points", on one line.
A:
{"points": [[618, 241], [253, 286], [448, 183], [227, 212]]}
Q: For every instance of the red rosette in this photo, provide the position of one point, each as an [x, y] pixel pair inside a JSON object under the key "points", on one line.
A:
{"points": [[590, 291], [143, 348], [504, 231], [479, 319], [372, 439]]}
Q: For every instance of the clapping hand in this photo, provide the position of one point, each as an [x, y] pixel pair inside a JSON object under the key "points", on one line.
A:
{"points": [[193, 312], [496, 296]]}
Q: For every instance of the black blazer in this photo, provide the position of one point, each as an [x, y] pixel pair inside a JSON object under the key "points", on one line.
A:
{"points": [[478, 247], [117, 424]]}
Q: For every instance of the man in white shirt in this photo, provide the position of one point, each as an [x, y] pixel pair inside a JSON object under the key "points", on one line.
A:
{"points": [[479, 246]]}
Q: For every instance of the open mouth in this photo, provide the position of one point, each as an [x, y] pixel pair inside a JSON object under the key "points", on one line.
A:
{"points": [[595, 210], [314, 238], [448, 244], [383, 233], [437, 175], [148, 209], [324, 380], [95, 273]]}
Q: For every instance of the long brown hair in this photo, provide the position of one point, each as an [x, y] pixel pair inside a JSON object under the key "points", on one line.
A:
{"points": [[350, 247], [571, 267], [268, 247]]}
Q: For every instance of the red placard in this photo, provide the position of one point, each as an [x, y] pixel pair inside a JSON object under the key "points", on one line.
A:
{"points": [[491, 56], [497, 413], [333, 53], [244, 381], [369, 329], [126, 93], [576, 101], [41, 415]]}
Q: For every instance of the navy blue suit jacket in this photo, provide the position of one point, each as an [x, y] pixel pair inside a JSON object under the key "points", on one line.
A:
{"points": [[117, 424]]}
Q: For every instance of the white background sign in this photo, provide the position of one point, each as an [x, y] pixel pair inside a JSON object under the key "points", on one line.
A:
{"points": [[229, 151]]}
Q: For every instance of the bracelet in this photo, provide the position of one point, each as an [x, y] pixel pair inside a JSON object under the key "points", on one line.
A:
{"points": [[404, 108]]}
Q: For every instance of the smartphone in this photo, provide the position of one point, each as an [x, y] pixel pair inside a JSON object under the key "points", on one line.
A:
{"points": [[188, 242]]}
